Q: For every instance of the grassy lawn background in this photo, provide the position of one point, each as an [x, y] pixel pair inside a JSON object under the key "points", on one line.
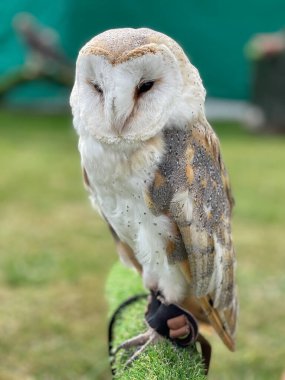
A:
{"points": [[55, 255]]}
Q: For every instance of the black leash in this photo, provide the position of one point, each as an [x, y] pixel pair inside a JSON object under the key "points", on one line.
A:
{"points": [[114, 317]]}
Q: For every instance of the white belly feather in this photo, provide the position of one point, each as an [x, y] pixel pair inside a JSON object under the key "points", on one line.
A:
{"points": [[118, 182]]}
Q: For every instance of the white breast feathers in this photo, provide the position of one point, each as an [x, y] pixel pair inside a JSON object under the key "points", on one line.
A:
{"points": [[118, 182]]}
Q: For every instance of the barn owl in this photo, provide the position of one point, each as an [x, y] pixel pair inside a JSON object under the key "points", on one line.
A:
{"points": [[152, 165]]}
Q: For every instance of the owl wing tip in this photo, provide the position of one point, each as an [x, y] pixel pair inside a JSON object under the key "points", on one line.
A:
{"points": [[215, 320], [230, 343]]}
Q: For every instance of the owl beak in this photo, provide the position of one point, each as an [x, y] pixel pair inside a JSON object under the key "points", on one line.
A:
{"points": [[119, 126], [117, 121]]}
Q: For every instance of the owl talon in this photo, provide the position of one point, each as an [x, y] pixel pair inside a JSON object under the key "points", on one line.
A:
{"points": [[138, 340], [141, 341], [153, 338]]}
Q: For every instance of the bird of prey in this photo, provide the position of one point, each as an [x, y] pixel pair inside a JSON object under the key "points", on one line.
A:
{"points": [[153, 167]]}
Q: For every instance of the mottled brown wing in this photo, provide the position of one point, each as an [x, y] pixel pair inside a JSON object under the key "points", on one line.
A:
{"points": [[201, 207]]}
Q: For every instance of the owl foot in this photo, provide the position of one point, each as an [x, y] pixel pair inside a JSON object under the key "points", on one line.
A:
{"points": [[164, 321], [171, 321], [141, 342]]}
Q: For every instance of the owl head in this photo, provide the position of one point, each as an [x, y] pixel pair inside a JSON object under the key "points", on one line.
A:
{"points": [[132, 83]]}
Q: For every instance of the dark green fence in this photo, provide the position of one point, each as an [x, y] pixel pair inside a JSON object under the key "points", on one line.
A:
{"points": [[212, 32]]}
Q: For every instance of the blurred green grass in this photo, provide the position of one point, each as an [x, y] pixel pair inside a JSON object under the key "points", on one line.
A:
{"points": [[55, 255]]}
